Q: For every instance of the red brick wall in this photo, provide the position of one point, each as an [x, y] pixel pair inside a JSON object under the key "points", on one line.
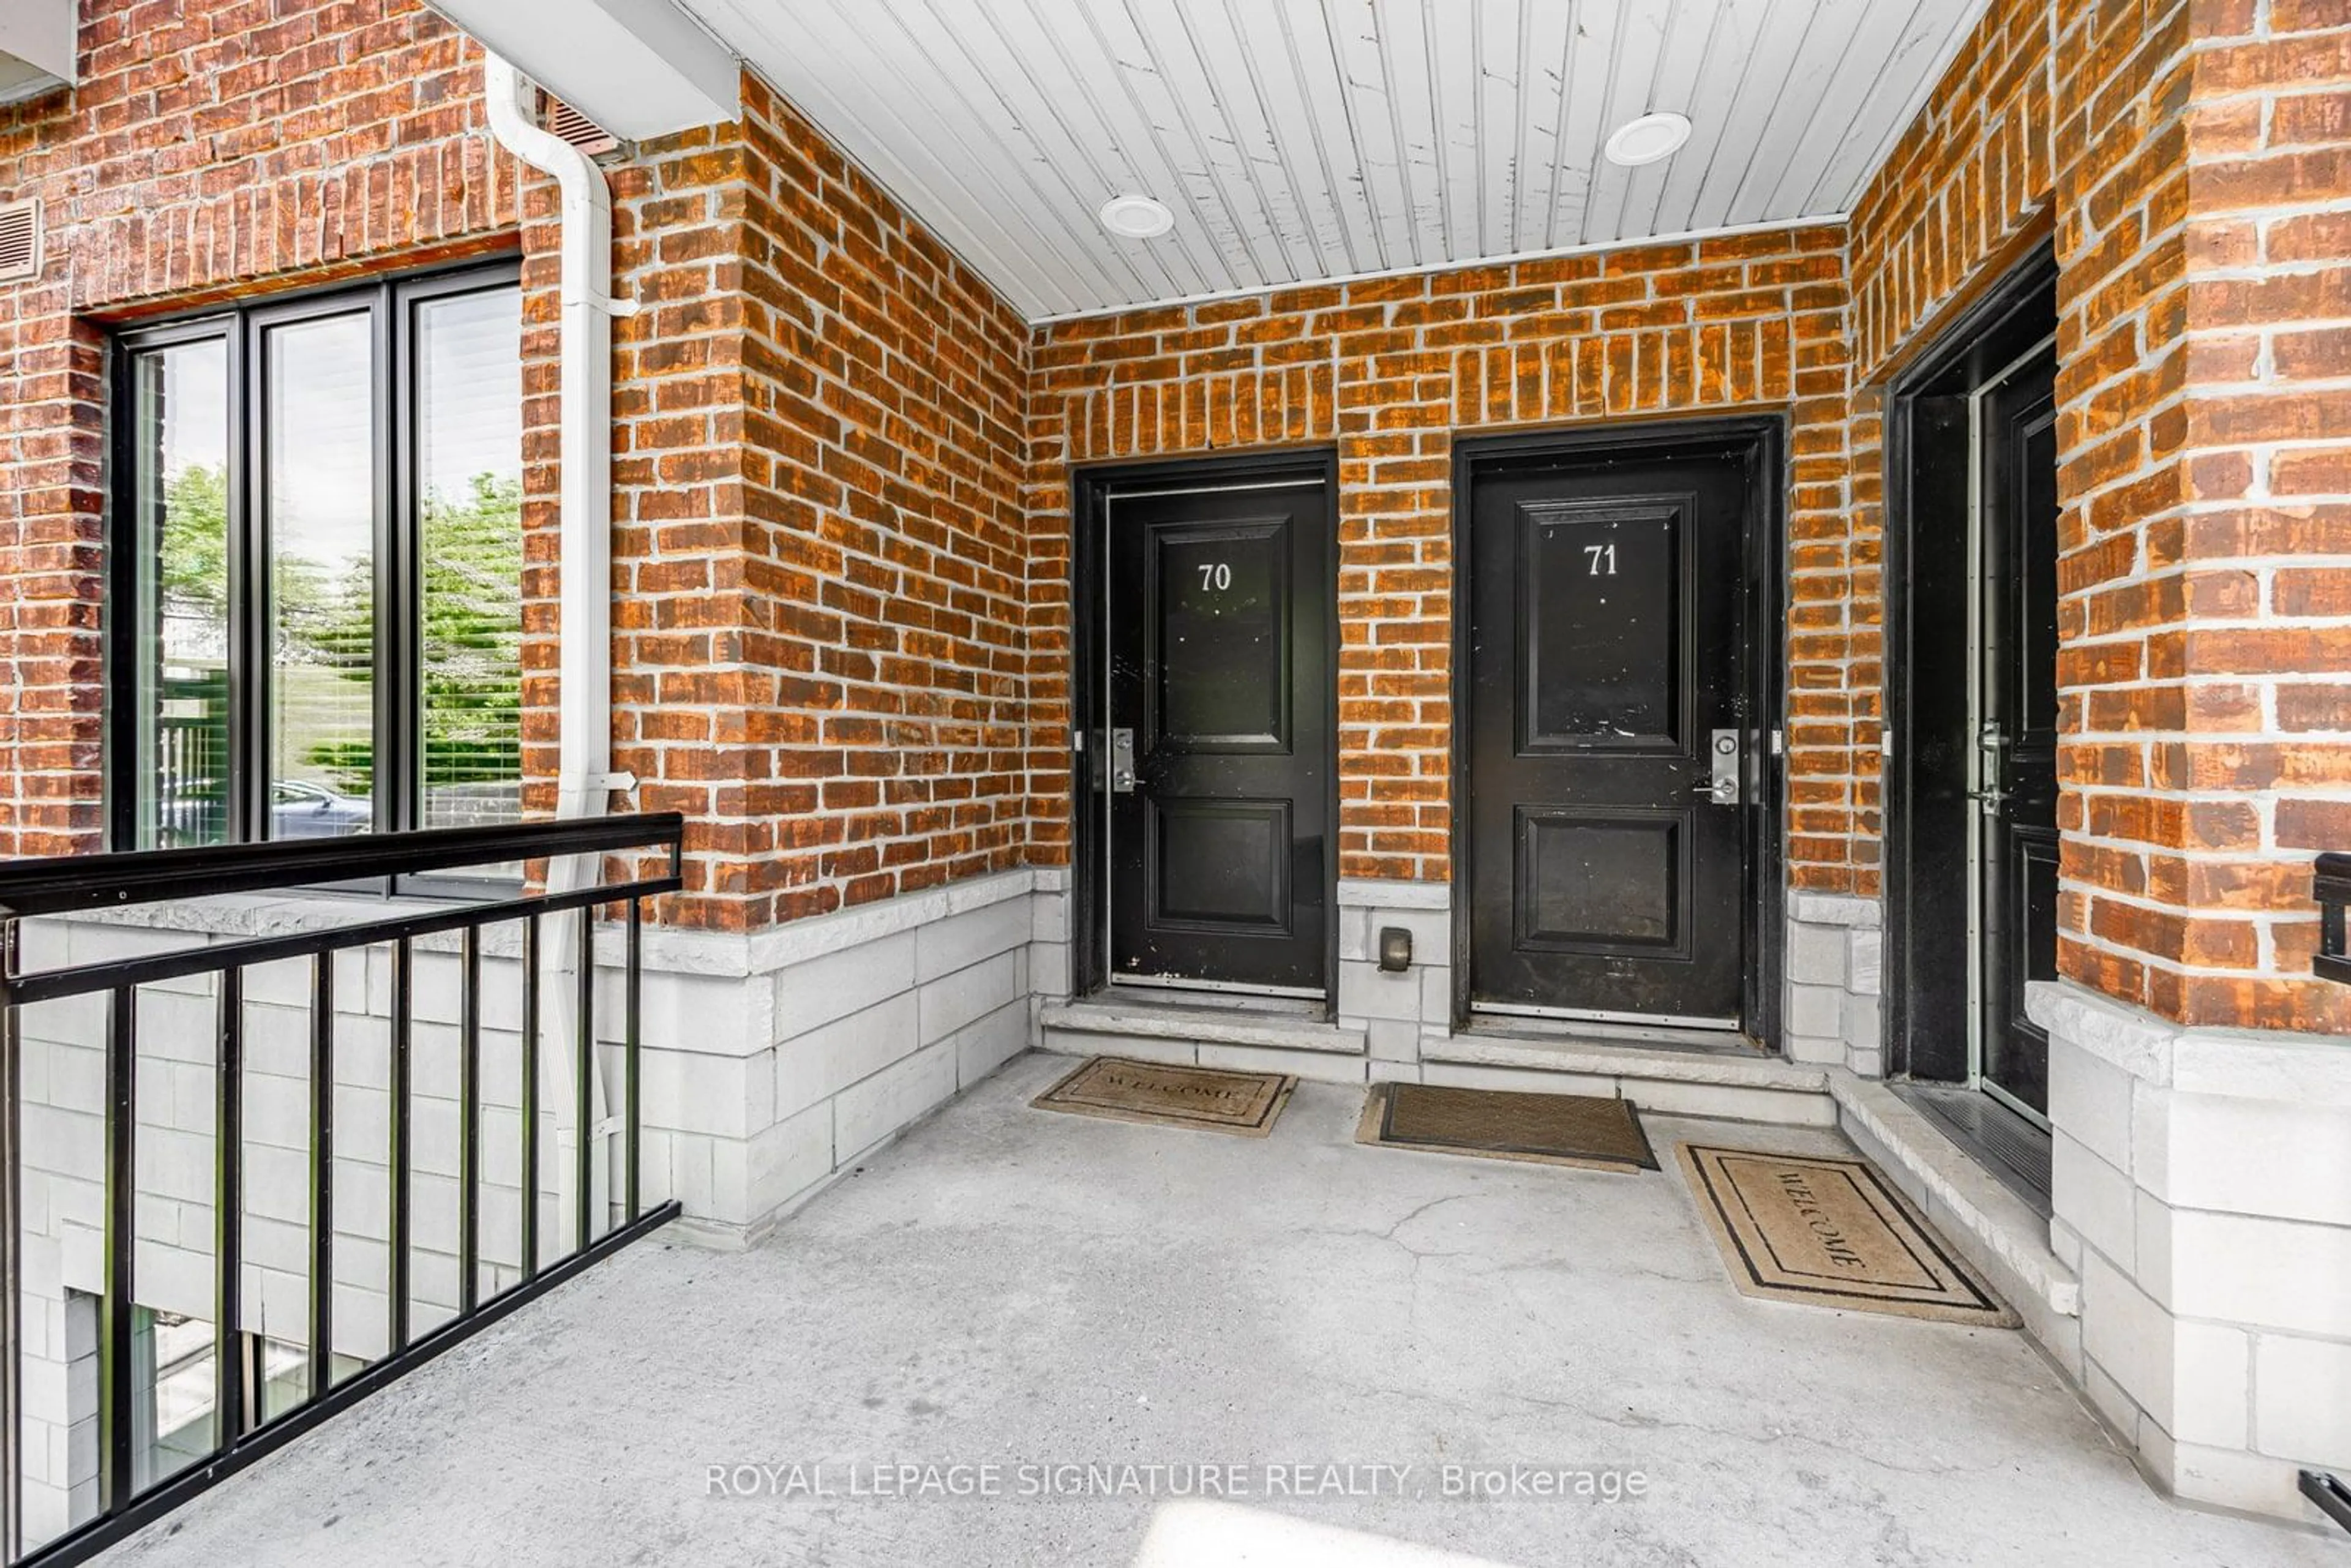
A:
{"points": [[1965, 193], [1969, 177], [2208, 392], [2185, 153], [822, 547], [1390, 370], [210, 148], [840, 460], [818, 435]]}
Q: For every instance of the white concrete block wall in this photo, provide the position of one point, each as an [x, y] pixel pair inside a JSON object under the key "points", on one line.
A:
{"points": [[784, 1058], [60, 1392], [2202, 1191], [1830, 1011], [1392, 1010]]}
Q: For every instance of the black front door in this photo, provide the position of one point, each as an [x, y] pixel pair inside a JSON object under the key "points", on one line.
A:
{"points": [[2017, 723], [1218, 632], [1606, 672]]}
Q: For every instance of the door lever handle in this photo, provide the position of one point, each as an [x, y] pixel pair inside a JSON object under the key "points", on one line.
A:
{"points": [[1121, 761]]}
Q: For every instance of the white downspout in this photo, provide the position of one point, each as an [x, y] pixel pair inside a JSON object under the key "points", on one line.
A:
{"points": [[584, 776]]}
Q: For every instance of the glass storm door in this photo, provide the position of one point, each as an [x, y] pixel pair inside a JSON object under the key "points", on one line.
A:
{"points": [[1607, 753], [1219, 783]]}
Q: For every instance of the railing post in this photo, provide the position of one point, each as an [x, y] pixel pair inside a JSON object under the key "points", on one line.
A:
{"points": [[322, 1174], [115, 1483], [12, 1285], [228, 1214], [469, 1118], [632, 1004], [583, 1073], [403, 981], [2331, 887], [530, 977]]}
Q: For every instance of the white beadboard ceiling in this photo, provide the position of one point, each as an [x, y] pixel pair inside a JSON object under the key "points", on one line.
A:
{"points": [[1300, 140]]}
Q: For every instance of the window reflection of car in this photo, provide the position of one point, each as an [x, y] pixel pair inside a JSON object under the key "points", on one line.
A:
{"points": [[193, 813], [300, 810]]}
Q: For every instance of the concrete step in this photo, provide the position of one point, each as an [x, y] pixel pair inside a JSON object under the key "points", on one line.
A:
{"points": [[1996, 1231], [1672, 1080], [1204, 1037], [1580, 1031]]}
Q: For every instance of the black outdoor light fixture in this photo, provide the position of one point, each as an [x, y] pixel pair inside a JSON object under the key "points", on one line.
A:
{"points": [[1395, 950]]}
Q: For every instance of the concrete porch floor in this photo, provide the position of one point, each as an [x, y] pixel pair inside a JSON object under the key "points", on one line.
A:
{"points": [[1012, 1286]]}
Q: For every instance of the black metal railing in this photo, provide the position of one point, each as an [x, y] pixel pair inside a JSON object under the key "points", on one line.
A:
{"points": [[243, 1427], [2331, 887]]}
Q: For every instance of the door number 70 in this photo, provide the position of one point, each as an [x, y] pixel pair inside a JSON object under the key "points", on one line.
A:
{"points": [[1216, 574], [1604, 559]]}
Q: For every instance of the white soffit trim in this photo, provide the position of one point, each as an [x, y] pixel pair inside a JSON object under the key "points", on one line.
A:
{"points": [[640, 68], [37, 43]]}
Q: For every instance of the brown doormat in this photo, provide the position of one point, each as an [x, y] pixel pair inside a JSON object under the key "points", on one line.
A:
{"points": [[1831, 1232], [1162, 1092], [1501, 1124]]}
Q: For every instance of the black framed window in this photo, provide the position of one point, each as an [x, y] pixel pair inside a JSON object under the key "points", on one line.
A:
{"points": [[317, 566]]}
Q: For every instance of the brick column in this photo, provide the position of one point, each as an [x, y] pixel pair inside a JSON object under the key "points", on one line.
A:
{"points": [[52, 576], [2206, 456], [2205, 442], [2266, 649], [1395, 594]]}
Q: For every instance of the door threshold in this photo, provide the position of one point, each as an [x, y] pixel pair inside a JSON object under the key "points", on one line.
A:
{"points": [[2006, 1145], [1143, 994], [1584, 1031]]}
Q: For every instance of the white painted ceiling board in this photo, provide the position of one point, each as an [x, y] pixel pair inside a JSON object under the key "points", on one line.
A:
{"points": [[1304, 140], [1697, 29], [1925, 50]]}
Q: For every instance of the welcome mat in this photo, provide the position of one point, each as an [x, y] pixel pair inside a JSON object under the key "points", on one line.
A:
{"points": [[1172, 1095], [1503, 1125], [1830, 1233]]}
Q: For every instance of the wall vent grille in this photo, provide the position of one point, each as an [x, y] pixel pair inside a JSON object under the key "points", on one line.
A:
{"points": [[20, 241], [580, 131]]}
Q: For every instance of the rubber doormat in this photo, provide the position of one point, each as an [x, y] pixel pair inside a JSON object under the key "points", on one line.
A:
{"points": [[1581, 1130], [1166, 1094], [1831, 1232]]}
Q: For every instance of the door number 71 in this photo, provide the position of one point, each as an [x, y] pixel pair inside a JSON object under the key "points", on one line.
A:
{"points": [[1604, 559]]}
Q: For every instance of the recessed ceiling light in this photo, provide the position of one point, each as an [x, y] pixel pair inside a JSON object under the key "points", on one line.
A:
{"points": [[1648, 139], [1136, 217]]}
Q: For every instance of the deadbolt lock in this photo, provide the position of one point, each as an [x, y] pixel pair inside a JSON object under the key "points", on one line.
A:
{"points": [[1121, 761], [1722, 784]]}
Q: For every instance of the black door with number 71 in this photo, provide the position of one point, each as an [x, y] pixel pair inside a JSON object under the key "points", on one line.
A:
{"points": [[1217, 778], [1607, 759]]}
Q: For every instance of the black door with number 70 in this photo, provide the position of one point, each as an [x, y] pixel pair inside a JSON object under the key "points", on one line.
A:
{"points": [[1607, 759], [1217, 778]]}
